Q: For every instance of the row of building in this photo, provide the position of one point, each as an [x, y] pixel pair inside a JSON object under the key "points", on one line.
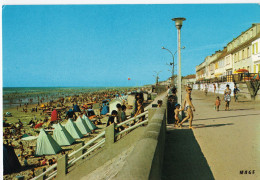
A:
{"points": [[242, 52]]}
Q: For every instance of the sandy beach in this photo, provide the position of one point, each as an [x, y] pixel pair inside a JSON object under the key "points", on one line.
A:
{"points": [[25, 117]]}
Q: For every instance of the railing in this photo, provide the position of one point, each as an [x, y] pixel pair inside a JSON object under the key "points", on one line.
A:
{"points": [[72, 158], [241, 77], [134, 126]]}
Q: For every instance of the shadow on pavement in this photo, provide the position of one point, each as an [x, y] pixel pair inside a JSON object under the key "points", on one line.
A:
{"points": [[183, 158], [212, 125]]}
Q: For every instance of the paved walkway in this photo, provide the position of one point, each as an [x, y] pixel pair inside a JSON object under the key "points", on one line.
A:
{"points": [[223, 143]]}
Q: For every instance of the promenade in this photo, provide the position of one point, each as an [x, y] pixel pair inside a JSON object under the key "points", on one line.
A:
{"points": [[222, 145]]}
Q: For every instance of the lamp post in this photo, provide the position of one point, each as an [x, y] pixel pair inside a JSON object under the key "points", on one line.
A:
{"points": [[178, 24], [172, 79], [157, 77]]}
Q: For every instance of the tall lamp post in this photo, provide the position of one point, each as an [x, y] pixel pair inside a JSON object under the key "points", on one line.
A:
{"points": [[172, 64], [157, 77], [178, 24]]}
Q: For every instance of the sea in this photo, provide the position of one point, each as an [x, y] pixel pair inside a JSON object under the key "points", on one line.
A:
{"points": [[14, 96]]}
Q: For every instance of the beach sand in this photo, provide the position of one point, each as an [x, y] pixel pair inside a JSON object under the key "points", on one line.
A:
{"points": [[25, 118]]}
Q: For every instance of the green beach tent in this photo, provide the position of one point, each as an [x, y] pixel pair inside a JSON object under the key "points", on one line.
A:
{"points": [[46, 145], [91, 126], [62, 136], [72, 128], [82, 125]]}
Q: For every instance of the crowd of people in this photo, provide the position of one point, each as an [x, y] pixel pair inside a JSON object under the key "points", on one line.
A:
{"points": [[69, 107], [176, 110]]}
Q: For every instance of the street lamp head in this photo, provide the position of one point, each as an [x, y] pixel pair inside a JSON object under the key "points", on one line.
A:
{"points": [[163, 47], [178, 22], [183, 47]]}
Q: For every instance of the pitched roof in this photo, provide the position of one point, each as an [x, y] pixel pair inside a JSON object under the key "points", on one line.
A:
{"points": [[191, 76]]}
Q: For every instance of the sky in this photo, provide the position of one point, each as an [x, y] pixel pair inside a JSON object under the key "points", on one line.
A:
{"points": [[104, 45]]}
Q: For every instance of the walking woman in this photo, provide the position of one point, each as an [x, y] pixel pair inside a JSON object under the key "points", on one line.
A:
{"points": [[227, 97]]}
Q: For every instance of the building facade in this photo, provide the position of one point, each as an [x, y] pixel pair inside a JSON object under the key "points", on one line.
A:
{"points": [[241, 53]]}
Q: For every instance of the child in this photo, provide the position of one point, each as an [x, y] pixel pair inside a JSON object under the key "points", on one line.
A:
{"points": [[176, 112], [217, 103], [111, 118]]}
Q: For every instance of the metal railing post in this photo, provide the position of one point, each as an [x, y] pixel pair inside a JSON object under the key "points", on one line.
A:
{"points": [[78, 146], [110, 135], [62, 166]]}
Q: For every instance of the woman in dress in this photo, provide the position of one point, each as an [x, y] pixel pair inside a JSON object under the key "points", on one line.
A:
{"points": [[227, 97]]}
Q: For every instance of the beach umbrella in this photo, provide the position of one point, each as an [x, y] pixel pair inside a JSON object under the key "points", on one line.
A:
{"points": [[38, 125], [242, 70]]}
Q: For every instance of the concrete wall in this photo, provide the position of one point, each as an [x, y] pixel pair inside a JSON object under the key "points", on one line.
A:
{"points": [[220, 87], [146, 159]]}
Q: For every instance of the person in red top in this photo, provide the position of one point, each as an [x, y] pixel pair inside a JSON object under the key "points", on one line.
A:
{"points": [[217, 103]]}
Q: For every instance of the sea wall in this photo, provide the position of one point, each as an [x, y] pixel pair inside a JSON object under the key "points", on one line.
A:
{"points": [[220, 87], [145, 161]]}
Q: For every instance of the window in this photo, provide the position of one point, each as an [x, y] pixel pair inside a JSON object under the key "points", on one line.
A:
{"points": [[256, 47], [248, 52], [253, 49], [258, 68], [254, 68], [243, 54]]}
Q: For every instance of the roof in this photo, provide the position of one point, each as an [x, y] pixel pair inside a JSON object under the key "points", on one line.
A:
{"points": [[191, 76]]}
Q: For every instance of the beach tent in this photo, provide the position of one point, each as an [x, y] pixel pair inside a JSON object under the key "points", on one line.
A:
{"points": [[82, 125], [46, 145], [76, 108], [89, 123], [70, 113], [113, 103], [105, 110], [62, 136], [10, 160], [72, 128], [54, 115]]}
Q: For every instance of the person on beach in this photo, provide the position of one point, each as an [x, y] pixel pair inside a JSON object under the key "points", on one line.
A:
{"points": [[188, 107], [176, 114], [217, 103], [159, 102], [140, 110], [32, 174], [111, 119], [119, 113], [206, 90], [236, 90], [214, 88], [227, 97]]}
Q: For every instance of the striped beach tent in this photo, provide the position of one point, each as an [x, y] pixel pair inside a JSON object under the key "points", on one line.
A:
{"points": [[72, 128], [46, 145], [82, 125], [89, 123], [62, 136]]}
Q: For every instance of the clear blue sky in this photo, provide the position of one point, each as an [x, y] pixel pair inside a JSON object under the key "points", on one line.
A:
{"points": [[103, 45]]}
